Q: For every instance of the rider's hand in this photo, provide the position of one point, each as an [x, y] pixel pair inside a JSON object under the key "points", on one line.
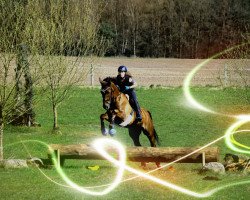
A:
{"points": [[127, 88]]}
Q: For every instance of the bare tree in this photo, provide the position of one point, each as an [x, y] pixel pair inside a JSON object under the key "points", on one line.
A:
{"points": [[12, 17], [133, 12], [67, 34], [59, 35]]}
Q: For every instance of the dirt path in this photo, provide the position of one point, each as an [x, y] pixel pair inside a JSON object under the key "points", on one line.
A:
{"points": [[171, 72]]}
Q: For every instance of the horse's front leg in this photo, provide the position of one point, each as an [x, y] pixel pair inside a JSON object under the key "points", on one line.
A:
{"points": [[102, 118], [112, 130]]}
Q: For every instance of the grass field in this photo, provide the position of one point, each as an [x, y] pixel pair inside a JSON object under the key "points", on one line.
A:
{"points": [[175, 122]]}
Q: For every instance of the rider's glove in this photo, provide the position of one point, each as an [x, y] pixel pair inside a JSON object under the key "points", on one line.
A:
{"points": [[127, 88]]}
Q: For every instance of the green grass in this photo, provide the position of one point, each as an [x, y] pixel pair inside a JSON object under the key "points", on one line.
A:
{"points": [[176, 125]]}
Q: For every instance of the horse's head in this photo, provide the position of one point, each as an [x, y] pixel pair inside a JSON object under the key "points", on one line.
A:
{"points": [[109, 92]]}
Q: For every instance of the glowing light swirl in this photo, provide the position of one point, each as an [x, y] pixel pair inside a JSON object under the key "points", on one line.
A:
{"points": [[100, 147], [186, 88], [187, 81], [98, 143], [237, 143], [229, 139]]}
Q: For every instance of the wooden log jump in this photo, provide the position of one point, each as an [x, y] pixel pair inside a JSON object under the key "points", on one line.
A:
{"points": [[138, 154]]}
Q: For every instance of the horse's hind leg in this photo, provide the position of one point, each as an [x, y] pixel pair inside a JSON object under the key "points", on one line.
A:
{"points": [[152, 141], [151, 138], [134, 133]]}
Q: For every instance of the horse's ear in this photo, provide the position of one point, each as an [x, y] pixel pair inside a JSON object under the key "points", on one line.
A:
{"points": [[102, 82], [115, 90]]}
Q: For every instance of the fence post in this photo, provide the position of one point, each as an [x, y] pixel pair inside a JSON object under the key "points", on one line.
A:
{"points": [[92, 75], [203, 158], [225, 75]]}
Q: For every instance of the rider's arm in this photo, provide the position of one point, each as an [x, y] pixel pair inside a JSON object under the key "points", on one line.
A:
{"points": [[134, 84]]}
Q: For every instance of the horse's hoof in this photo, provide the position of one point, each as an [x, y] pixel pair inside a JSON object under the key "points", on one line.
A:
{"points": [[158, 164], [159, 167], [105, 132], [143, 165], [112, 132]]}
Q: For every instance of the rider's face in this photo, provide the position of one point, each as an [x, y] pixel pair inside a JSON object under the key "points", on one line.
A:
{"points": [[122, 74]]}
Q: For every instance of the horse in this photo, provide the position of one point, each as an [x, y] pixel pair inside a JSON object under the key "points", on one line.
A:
{"points": [[120, 112]]}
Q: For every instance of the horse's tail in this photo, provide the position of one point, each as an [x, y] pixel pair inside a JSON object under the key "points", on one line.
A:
{"points": [[154, 131]]}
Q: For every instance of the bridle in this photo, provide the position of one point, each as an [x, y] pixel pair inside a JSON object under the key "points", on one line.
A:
{"points": [[111, 99], [104, 90]]}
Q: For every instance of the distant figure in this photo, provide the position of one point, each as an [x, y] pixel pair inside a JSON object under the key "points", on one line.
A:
{"points": [[126, 85]]}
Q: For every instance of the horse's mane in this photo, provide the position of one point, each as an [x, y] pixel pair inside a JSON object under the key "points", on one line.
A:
{"points": [[110, 79]]}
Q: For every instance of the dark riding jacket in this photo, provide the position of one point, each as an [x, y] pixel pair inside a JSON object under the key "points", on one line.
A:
{"points": [[125, 81], [128, 81]]}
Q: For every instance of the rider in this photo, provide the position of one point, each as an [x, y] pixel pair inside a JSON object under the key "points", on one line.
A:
{"points": [[126, 85]]}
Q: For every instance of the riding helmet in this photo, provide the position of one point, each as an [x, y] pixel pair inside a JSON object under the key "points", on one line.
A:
{"points": [[122, 68]]}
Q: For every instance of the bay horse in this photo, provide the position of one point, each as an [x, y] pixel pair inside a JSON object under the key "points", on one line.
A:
{"points": [[120, 112]]}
